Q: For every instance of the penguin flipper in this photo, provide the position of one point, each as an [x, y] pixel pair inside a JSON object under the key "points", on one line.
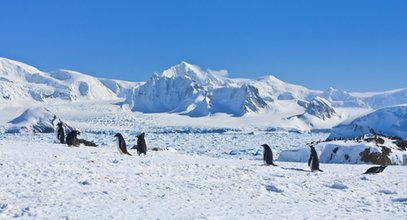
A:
{"points": [[128, 154]]}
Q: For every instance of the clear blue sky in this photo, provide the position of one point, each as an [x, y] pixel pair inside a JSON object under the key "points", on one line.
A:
{"points": [[356, 45]]}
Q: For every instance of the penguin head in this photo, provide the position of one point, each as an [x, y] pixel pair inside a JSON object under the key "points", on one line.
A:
{"points": [[265, 146], [77, 132], [383, 166], [59, 124], [141, 135], [118, 135]]}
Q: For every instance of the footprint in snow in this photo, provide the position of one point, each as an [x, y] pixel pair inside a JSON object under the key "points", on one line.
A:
{"points": [[272, 188], [84, 183], [364, 178], [3, 207], [387, 192], [402, 200]]}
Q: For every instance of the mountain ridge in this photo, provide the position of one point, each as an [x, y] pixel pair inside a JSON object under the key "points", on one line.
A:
{"points": [[184, 88]]}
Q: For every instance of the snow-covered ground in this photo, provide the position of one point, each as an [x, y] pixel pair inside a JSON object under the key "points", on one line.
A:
{"points": [[210, 168], [43, 180]]}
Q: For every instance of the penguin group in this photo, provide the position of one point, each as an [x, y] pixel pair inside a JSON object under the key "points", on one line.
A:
{"points": [[141, 147], [313, 160]]}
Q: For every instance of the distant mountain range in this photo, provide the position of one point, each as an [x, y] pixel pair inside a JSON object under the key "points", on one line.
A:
{"points": [[184, 89]]}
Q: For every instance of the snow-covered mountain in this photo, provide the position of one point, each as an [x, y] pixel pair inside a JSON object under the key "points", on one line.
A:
{"points": [[341, 98], [390, 121], [21, 82], [188, 89], [182, 89]]}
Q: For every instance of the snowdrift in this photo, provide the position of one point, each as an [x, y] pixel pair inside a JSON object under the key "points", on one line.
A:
{"points": [[35, 120]]}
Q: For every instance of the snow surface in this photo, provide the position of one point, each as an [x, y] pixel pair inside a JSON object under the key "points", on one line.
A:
{"points": [[42, 180]]}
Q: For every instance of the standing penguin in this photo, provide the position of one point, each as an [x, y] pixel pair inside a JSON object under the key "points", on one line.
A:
{"points": [[72, 139], [313, 161], [267, 155], [375, 170], [60, 133], [141, 144], [121, 144]]}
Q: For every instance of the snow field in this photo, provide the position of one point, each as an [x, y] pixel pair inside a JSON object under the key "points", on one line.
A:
{"points": [[42, 180]]}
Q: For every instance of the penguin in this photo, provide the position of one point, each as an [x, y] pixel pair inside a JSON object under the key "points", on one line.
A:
{"points": [[375, 170], [141, 144], [72, 139], [313, 161], [121, 144], [267, 155], [60, 133]]}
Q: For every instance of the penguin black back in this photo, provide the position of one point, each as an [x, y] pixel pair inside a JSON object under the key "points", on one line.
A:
{"points": [[313, 161], [375, 170], [121, 144], [267, 155], [141, 144], [72, 139], [61, 133]]}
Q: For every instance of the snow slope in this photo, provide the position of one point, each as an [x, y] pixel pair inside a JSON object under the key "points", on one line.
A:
{"points": [[36, 120], [390, 121], [41, 180], [21, 83]]}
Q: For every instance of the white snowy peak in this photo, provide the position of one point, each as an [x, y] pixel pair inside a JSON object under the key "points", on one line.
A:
{"points": [[194, 73]]}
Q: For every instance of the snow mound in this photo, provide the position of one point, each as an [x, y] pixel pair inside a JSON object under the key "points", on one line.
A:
{"points": [[390, 121], [374, 150], [34, 120], [338, 185]]}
